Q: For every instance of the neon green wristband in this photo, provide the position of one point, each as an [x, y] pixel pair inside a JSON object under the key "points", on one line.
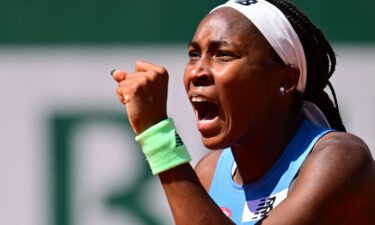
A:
{"points": [[163, 147]]}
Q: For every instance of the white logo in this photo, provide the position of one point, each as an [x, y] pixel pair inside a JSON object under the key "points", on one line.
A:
{"points": [[256, 209], [246, 2]]}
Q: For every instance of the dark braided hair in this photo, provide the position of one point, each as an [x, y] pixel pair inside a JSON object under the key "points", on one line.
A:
{"points": [[320, 59]]}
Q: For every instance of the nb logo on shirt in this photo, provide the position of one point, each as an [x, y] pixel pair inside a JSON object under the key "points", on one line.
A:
{"points": [[264, 207], [257, 209], [246, 2]]}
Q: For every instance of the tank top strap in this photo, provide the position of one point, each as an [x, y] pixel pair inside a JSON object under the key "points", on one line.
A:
{"points": [[282, 173], [223, 171]]}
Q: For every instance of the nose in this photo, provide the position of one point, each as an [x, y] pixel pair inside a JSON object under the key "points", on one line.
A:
{"points": [[202, 75]]}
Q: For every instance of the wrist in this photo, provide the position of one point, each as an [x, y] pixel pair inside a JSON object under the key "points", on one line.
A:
{"points": [[141, 127], [163, 147]]}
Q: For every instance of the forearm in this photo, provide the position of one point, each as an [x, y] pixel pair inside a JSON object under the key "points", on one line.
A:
{"points": [[189, 202]]}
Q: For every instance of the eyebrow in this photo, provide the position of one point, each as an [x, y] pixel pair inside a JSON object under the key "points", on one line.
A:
{"points": [[213, 43], [193, 44]]}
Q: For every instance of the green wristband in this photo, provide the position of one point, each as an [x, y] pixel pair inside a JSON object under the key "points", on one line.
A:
{"points": [[163, 147]]}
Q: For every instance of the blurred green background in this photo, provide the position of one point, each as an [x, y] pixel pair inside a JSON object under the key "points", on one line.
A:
{"points": [[124, 21]]}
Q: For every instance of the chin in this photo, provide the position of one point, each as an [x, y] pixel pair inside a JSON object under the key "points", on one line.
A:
{"points": [[215, 142]]}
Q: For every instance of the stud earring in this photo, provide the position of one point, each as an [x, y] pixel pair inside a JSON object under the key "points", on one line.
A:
{"points": [[282, 91], [126, 99]]}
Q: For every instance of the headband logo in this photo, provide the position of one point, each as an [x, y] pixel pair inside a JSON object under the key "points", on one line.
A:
{"points": [[246, 2]]}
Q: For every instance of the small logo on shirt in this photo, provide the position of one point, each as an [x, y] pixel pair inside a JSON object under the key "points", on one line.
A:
{"points": [[226, 211], [257, 209], [264, 207], [246, 2]]}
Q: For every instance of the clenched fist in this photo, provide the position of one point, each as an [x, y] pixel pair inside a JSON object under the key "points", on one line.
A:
{"points": [[144, 93]]}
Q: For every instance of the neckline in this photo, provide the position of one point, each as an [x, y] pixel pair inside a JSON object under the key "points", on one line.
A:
{"points": [[274, 170]]}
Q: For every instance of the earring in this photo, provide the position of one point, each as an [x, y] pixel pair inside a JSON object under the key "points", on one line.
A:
{"points": [[126, 99], [282, 91]]}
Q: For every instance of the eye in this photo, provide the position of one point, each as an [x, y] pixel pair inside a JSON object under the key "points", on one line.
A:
{"points": [[193, 55], [224, 55]]}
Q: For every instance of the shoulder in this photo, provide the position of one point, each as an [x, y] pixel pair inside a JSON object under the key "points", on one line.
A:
{"points": [[340, 152], [205, 168], [342, 140], [339, 174]]}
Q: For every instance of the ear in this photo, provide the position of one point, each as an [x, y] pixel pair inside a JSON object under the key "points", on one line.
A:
{"points": [[290, 78]]}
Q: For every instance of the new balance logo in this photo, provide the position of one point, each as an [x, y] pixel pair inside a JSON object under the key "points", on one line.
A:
{"points": [[257, 209], [246, 2], [264, 207], [178, 140]]}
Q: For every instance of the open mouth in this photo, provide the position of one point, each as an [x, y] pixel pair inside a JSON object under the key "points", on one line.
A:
{"points": [[205, 109]]}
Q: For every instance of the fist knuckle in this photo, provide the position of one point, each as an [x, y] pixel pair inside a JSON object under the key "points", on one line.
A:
{"points": [[163, 70], [152, 74], [143, 81], [137, 88], [138, 62], [164, 75], [121, 84]]}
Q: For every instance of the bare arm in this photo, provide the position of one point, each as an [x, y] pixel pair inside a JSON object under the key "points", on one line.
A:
{"points": [[335, 186], [186, 192], [188, 200]]}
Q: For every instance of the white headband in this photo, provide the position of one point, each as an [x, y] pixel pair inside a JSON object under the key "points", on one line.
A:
{"points": [[275, 27], [278, 31]]}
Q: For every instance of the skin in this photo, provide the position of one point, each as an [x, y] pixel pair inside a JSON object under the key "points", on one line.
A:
{"points": [[231, 65]]}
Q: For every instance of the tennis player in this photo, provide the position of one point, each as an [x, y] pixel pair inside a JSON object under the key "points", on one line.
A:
{"points": [[255, 78]]}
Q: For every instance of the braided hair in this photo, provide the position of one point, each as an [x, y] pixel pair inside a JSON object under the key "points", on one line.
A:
{"points": [[320, 59]]}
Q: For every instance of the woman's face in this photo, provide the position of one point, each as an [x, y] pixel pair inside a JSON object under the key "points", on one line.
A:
{"points": [[231, 79]]}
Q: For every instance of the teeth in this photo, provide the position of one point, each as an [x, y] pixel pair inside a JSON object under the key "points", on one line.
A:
{"points": [[198, 99]]}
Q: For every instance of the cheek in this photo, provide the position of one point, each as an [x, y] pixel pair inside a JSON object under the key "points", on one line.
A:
{"points": [[186, 77], [240, 91], [237, 82]]}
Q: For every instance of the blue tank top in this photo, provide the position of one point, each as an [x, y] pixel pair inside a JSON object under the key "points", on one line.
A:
{"points": [[247, 204]]}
